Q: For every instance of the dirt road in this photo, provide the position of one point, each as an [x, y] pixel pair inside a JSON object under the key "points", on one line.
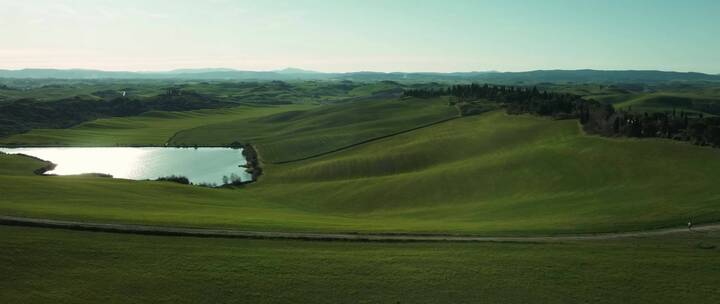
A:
{"points": [[228, 233]]}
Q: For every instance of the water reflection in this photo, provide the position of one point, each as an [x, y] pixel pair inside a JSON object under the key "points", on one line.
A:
{"points": [[202, 165]]}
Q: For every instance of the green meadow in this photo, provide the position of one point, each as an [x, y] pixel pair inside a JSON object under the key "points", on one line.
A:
{"points": [[292, 135], [151, 128], [377, 165], [693, 97], [490, 174], [666, 102], [43, 265]]}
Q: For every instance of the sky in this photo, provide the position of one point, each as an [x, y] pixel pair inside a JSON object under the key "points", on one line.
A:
{"points": [[369, 35]]}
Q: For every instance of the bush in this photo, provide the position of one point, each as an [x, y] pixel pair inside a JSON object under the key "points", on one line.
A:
{"points": [[207, 185], [104, 175], [175, 178], [233, 179]]}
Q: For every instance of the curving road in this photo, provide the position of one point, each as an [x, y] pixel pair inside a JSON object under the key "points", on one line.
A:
{"points": [[228, 233]]}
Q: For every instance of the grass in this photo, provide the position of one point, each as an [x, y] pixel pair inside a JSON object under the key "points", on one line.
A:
{"points": [[46, 90], [667, 101], [298, 134], [151, 128], [273, 92], [42, 265], [509, 174], [490, 174], [18, 165], [683, 96], [372, 88]]}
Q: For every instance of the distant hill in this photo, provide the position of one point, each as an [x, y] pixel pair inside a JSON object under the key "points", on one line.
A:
{"points": [[295, 71], [530, 77], [602, 76], [539, 76], [191, 71], [198, 74]]}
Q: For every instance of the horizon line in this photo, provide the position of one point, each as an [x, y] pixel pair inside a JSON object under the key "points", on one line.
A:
{"points": [[302, 70]]}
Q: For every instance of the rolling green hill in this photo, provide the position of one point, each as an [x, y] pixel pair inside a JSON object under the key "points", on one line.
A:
{"points": [[374, 88], [19, 165], [488, 174], [666, 102], [151, 128], [298, 134]]}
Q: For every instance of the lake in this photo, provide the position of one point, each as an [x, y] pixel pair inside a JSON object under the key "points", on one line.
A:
{"points": [[201, 165]]}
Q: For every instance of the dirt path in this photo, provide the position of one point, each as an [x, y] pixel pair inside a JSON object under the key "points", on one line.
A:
{"points": [[227, 233]]}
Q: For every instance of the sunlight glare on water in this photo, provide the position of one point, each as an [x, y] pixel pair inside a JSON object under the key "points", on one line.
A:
{"points": [[202, 165]]}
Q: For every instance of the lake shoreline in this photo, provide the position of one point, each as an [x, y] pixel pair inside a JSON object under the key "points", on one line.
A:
{"points": [[19, 146], [49, 166], [252, 163], [149, 163]]}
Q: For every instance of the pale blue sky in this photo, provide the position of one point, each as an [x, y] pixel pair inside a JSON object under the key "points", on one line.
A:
{"points": [[336, 36]]}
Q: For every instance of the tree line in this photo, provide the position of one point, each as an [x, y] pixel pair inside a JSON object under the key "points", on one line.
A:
{"points": [[595, 117]]}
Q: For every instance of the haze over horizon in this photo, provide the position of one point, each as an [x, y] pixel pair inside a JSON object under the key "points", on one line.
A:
{"points": [[347, 36], [297, 70]]}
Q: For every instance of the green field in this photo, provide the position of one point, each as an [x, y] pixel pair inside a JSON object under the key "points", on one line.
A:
{"points": [[151, 128], [662, 97], [373, 88], [666, 102], [489, 174], [298, 134], [248, 91], [370, 166], [41, 266], [47, 90]]}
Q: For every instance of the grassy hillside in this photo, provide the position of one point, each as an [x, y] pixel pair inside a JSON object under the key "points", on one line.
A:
{"points": [[646, 97], [373, 88], [51, 90], [500, 173], [57, 104], [86, 267], [295, 91], [299, 134], [152, 128], [487, 174], [666, 102], [601, 92], [18, 165]]}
